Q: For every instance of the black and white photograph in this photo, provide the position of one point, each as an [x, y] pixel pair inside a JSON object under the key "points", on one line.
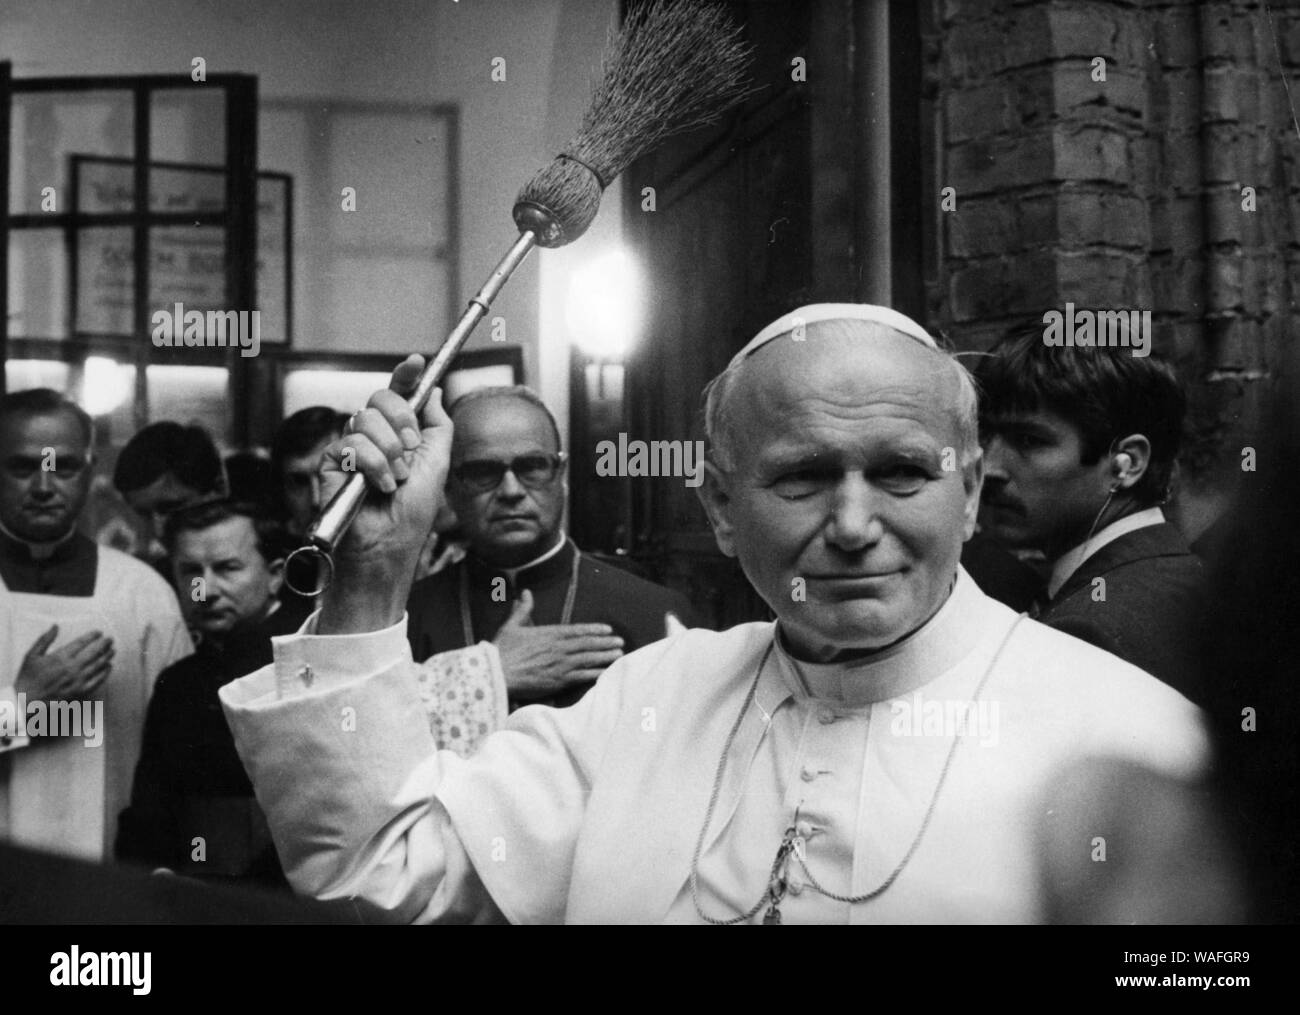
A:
{"points": [[643, 462]]}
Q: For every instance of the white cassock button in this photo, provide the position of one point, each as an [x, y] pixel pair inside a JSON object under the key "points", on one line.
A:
{"points": [[795, 887], [826, 717], [804, 830], [808, 774]]}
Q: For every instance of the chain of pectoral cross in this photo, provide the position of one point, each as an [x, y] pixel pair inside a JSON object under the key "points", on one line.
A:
{"points": [[778, 881]]}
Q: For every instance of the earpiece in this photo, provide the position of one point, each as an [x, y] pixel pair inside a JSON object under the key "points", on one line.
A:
{"points": [[1122, 462]]}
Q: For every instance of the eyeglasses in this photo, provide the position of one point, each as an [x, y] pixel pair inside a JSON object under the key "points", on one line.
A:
{"points": [[483, 474]]}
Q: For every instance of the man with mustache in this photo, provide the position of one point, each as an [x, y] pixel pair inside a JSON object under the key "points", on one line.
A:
{"points": [[80, 625], [759, 774], [556, 616], [1080, 448]]}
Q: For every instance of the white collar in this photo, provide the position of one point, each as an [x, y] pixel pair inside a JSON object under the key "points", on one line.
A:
{"points": [[925, 654], [1070, 561], [513, 572]]}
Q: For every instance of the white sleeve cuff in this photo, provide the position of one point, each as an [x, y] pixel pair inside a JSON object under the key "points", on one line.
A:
{"points": [[307, 662]]}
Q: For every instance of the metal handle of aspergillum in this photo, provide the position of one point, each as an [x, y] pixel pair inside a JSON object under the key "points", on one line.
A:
{"points": [[337, 516], [668, 68]]}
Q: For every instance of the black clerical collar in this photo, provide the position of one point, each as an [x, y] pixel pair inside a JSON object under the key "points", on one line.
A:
{"points": [[64, 567], [55, 551], [556, 562]]}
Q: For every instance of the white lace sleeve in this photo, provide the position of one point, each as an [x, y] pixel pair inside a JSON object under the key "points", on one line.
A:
{"points": [[464, 696]]}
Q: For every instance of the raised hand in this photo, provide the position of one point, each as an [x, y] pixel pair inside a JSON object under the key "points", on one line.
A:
{"points": [[405, 460]]}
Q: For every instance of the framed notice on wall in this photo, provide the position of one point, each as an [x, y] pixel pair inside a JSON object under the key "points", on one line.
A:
{"points": [[186, 245]]}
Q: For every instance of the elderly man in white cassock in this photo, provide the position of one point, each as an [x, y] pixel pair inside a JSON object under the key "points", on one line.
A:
{"points": [[883, 752]]}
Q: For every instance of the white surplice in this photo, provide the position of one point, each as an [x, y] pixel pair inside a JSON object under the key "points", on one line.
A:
{"points": [[61, 794], [591, 813]]}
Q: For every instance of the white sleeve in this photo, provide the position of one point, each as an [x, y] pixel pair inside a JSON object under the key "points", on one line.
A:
{"points": [[672, 625], [361, 804], [337, 743]]}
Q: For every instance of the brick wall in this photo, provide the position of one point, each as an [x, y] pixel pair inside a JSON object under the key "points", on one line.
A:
{"points": [[1127, 192]]}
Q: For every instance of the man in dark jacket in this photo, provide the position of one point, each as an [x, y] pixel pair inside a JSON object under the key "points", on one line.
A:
{"points": [[557, 617], [1080, 444], [192, 808]]}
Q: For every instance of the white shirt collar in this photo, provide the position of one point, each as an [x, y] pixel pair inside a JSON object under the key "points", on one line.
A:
{"points": [[513, 572], [1069, 562], [928, 652]]}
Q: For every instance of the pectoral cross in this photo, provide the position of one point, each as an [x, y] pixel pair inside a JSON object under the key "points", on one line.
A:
{"points": [[777, 881]]}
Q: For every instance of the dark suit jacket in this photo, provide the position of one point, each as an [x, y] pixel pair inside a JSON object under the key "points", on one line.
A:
{"points": [[632, 606], [1154, 607], [999, 574], [189, 780]]}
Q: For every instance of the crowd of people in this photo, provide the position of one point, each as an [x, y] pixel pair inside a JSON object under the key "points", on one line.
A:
{"points": [[159, 635], [481, 721]]}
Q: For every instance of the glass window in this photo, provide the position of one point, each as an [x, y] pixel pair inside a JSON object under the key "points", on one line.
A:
{"points": [[22, 374], [191, 395], [343, 390]]}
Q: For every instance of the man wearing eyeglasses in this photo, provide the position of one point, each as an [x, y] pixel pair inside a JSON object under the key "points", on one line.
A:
{"points": [[557, 617]]}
